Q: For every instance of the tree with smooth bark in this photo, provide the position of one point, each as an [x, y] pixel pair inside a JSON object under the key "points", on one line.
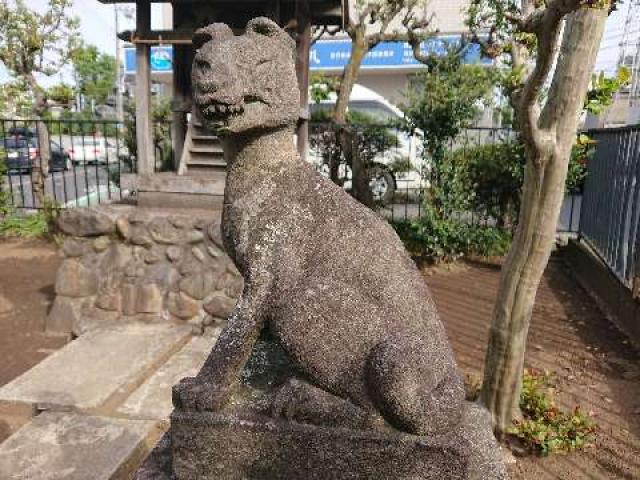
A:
{"points": [[556, 40], [376, 21], [36, 43]]}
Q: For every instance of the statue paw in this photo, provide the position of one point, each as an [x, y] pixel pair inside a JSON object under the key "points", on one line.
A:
{"points": [[196, 395]]}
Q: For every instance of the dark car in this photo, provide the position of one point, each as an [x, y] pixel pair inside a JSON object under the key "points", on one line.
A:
{"points": [[20, 153]]}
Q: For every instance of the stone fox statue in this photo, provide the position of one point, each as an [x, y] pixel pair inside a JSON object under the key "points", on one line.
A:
{"points": [[330, 278]]}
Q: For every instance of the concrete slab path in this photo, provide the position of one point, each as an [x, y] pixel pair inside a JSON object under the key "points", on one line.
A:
{"points": [[72, 446], [95, 371], [152, 400]]}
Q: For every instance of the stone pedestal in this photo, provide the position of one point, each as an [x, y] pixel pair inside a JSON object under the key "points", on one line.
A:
{"points": [[170, 190], [245, 442], [208, 446]]}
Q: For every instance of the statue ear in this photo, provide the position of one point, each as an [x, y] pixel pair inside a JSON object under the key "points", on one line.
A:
{"points": [[269, 28], [215, 31]]}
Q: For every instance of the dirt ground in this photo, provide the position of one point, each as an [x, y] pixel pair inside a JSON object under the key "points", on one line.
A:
{"points": [[27, 273], [594, 363]]}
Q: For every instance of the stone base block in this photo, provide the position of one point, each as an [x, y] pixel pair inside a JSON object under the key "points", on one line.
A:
{"points": [[94, 372], [208, 446], [66, 446]]}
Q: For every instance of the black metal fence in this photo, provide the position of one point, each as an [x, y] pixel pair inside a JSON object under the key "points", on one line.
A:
{"points": [[400, 170], [611, 204], [87, 158]]}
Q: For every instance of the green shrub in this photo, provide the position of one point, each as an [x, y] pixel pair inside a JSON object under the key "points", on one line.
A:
{"points": [[16, 225], [545, 428], [445, 240]]}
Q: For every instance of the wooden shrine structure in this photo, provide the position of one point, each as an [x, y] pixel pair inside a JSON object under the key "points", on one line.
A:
{"points": [[201, 166]]}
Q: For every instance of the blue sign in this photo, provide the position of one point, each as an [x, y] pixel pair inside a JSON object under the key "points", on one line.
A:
{"points": [[334, 54], [161, 59]]}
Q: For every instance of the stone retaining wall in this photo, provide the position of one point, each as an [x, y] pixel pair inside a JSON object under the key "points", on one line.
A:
{"points": [[131, 264]]}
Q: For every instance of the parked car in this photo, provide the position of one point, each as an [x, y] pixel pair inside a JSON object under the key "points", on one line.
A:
{"points": [[398, 167], [88, 149], [22, 152]]}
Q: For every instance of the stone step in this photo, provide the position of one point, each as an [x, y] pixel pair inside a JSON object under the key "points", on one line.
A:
{"points": [[97, 371], [152, 400], [211, 149], [73, 446]]}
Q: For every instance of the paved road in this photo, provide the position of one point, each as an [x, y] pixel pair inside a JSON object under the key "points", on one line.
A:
{"points": [[79, 186]]}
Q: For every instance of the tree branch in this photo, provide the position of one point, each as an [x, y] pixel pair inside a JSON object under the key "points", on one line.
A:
{"points": [[546, 24], [416, 34]]}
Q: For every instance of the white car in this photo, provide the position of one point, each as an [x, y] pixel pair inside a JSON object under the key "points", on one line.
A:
{"points": [[398, 168], [87, 149]]}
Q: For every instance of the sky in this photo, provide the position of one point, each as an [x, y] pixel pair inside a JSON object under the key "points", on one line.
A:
{"points": [[97, 27]]}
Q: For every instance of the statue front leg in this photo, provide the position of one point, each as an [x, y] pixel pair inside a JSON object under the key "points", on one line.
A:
{"points": [[213, 385]]}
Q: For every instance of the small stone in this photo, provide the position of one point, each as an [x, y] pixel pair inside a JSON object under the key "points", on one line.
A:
{"points": [[148, 299], [230, 284], [231, 268], [182, 306], [131, 271], [198, 285], [64, 314], [110, 301], [214, 252], [197, 329], [164, 274], [190, 265], [72, 248], [117, 258], [200, 224], [162, 232], [196, 236], [174, 253], [215, 234], [219, 306], [85, 222], [129, 299], [179, 222], [123, 228], [198, 254], [75, 280], [139, 216], [539, 348], [141, 238], [152, 257], [100, 244]]}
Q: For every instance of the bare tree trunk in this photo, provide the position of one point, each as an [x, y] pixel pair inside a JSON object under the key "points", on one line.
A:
{"points": [[548, 147], [40, 166]]}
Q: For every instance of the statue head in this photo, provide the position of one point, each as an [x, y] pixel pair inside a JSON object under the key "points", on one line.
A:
{"points": [[245, 82]]}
